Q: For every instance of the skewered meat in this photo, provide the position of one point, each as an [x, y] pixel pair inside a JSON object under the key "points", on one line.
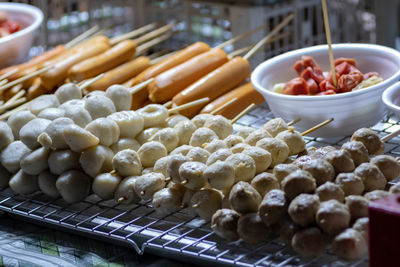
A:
{"points": [[265, 182], [74, 186], [150, 152], [273, 207], [358, 206], [202, 136], [244, 198], [388, 165], [261, 157], [320, 169], [329, 191], [350, 183], [340, 160], [309, 242], [221, 154], [357, 150], [224, 223], [278, 149], [220, 175], [206, 202], [370, 140], [127, 163], [147, 184], [105, 184], [332, 216], [244, 165], [349, 245], [280, 171], [191, 174], [298, 182], [167, 137], [303, 208], [252, 230], [371, 176]]}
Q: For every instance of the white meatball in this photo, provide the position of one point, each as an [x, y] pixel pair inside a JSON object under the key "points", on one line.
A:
{"points": [[191, 174], [167, 201], [99, 106], [184, 129], [215, 145], [125, 143], [96, 160], [221, 154], [244, 131], [146, 185], [36, 161], [219, 125], [153, 115], [244, 165], [121, 96], [150, 152], [202, 136], [55, 134], [125, 192], [23, 183], [51, 113], [261, 157], [145, 135], [42, 102], [278, 149], [94, 93], [198, 154], [173, 120], [358, 206], [332, 217], [79, 139], [220, 175], [79, 115], [17, 120], [74, 186], [181, 150], [371, 176], [293, 139], [67, 92], [238, 148], [167, 137], [282, 170], [233, 140], [6, 135], [127, 163], [47, 184], [60, 161], [206, 202], [275, 126], [257, 135], [173, 165], [11, 156], [350, 183], [30, 132], [4, 177], [350, 245], [73, 103], [130, 123], [200, 119], [105, 129], [105, 184], [161, 166]]}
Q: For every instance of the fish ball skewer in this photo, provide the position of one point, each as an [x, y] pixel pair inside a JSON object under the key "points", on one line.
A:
{"points": [[244, 165], [206, 202], [36, 161], [303, 208], [220, 175], [125, 143], [105, 184], [198, 154], [273, 207], [174, 163], [47, 184], [191, 175], [30, 132], [95, 160], [11, 156], [67, 92], [224, 223], [53, 135], [329, 191], [244, 198], [74, 186], [153, 115], [265, 182], [60, 161], [17, 120], [99, 106], [167, 137], [23, 183], [130, 123], [219, 155], [125, 192], [43, 102], [127, 163], [220, 125], [371, 176], [6, 135], [278, 149], [121, 97], [107, 130], [184, 130], [150, 152], [146, 185], [79, 139], [202, 136]]}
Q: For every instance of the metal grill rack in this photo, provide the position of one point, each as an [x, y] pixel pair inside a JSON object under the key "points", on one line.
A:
{"points": [[180, 235]]}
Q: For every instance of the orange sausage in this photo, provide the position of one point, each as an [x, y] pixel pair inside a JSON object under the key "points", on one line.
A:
{"points": [[245, 94], [172, 61], [58, 74], [171, 82], [214, 84], [121, 73], [103, 62]]}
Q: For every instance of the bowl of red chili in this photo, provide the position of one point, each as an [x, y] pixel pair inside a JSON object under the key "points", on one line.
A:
{"points": [[18, 24], [308, 91]]}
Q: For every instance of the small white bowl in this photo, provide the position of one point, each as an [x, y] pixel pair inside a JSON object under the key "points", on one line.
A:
{"points": [[391, 98], [14, 48], [352, 110]]}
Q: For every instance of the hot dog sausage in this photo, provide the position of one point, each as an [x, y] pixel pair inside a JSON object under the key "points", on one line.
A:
{"points": [[103, 62], [245, 94], [121, 73], [172, 81], [214, 84]]}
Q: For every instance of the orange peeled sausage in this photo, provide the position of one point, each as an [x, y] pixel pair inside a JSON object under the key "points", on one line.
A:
{"points": [[58, 74], [121, 73], [172, 61], [171, 82], [103, 62], [214, 84], [245, 94]]}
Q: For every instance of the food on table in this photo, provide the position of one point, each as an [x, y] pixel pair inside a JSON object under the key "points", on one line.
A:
{"points": [[332, 216], [370, 140], [105, 184], [224, 223], [298, 182], [8, 26], [125, 193], [244, 198], [358, 206], [265, 182], [371, 176], [320, 169], [309, 242], [206, 202], [303, 208], [273, 207], [329, 191], [252, 229]]}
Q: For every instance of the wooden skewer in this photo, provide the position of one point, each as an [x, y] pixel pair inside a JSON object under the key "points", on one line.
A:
{"points": [[158, 54], [189, 105], [329, 41], [82, 37], [24, 78], [241, 36], [8, 74], [140, 86], [215, 111], [3, 82], [121, 199], [1, 102], [158, 59], [20, 94], [144, 47], [9, 113], [251, 106], [316, 127], [85, 84], [12, 104], [168, 104], [184, 182], [293, 122], [154, 33], [390, 136], [268, 37], [133, 33]]}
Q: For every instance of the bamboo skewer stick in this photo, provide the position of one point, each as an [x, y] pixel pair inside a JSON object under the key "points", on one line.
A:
{"points": [[158, 59], [241, 36], [189, 105], [85, 84], [154, 33], [329, 41], [390, 136], [241, 114], [293, 122], [20, 94], [133, 33], [168, 104], [316, 127], [8, 74], [140, 86], [12, 104], [215, 111], [82, 37], [24, 78], [9, 113], [3, 82], [144, 47]]}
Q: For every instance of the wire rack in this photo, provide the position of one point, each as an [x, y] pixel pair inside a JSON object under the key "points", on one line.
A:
{"points": [[179, 235]]}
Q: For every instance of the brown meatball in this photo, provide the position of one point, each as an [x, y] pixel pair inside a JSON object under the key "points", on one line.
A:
{"points": [[244, 198], [252, 230], [361, 225], [320, 169], [206, 202], [191, 174], [350, 183], [370, 140], [332, 217], [273, 207], [224, 223], [287, 231], [350, 245], [376, 195], [309, 242], [371, 176], [280, 171], [329, 191], [388, 165], [340, 160], [265, 182], [303, 208], [301, 161], [395, 188], [358, 206], [322, 151], [357, 150], [298, 182]]}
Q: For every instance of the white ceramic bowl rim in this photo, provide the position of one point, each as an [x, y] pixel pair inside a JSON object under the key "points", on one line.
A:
{"points": [[388, 95], [35, 12], [256, 76]]}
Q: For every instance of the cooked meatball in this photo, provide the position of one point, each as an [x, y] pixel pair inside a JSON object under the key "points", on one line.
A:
{"points": [[36, 161], [293, 139], [6, 135], [191, 174], [256, 136], [105, 184], [95, 160], [288, 230], [47, 184], [55, 132], [30, 132], [183, 150], [79, 139], [107, 130], [79, 115], [173, 120], [252, 230], [358, 206], [376, 195], [23, 183], [202, 136], [221, 154], [173, 166], [17, 120], [371, 176], [238, 148], [184, 130], [298, 182], [167, 137], [215, 145], [42, 102], [349, 245], [224, 223], [332, 216], [357, 150], [244, 198], [329, 191], [320, 169], [265, 182], [12, 155], [74, 186], [150, 152], [206, 202], [200, 119], [120, 96], [275, 126], [350, 183], [125, 143], [220, 175], [280, 171], [161, 166], [370, 140], [147, 184], [99, 106], [153, 115], [60, 161], [302, 160], [340, 160], [244, 131], [130, 123], [125, 193], [198, 154], [145, 135], [127, 163], [273, 207], [278, 149], [68, 91], [233, 140], [303, 208], [220, 125], [244, 165], [388, 165], [309, 242], [321, 151], [52, 113], [361, 225], [261, 157]]}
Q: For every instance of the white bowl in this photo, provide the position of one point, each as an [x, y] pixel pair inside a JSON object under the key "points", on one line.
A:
{"points": [[352, 110], [14, 48], [391, 98]]}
